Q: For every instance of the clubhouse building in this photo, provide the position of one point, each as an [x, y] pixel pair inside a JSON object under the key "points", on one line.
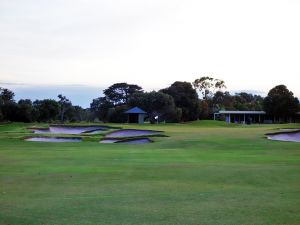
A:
{"points": [[248, 117]]}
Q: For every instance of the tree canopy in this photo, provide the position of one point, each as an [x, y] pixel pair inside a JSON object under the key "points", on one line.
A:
{"points": [[100, 107], [281, 102], [120, 93], [6, 96], [208, 86], [47, 109], [185, 98], [111, 106], [64, 105]]}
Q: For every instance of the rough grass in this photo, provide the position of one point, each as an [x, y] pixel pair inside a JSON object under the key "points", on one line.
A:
{"points": [[205, 172]]}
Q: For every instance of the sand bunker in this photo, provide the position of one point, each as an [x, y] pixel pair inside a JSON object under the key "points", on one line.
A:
{"points": [[131, 133], [136, 141], [68, 129], [130, 136], [109, 141], [127, 141], [53, 139], [288, 136]]}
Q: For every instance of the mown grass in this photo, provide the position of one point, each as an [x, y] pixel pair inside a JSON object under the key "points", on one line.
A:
{"points": [[205, 172]]}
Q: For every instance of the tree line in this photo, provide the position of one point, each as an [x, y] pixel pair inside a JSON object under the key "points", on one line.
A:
{"points": [[46, 110], [180, 102]]}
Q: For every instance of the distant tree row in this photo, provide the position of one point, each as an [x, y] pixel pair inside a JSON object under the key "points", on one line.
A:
{"points": [[46, 110], [179, 102], [279, 102]]}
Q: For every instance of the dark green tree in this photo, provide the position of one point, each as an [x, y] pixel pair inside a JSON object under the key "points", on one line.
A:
{"points": [[6, 96], [239, 101], [110, 108], [281, 102], [26, 112], [204, 110], [47, 110], [64, 105], [100, 107], [117, 115], [247, 101], [8, 107], [78, 114], [119, 93], [185, 98], [10, 111], [223, 100]]}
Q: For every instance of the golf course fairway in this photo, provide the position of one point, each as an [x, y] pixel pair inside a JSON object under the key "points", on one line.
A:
{"points": [[203, 172]]}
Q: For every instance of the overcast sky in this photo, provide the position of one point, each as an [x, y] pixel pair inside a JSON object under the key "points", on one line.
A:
{"points": [[252, 45]]}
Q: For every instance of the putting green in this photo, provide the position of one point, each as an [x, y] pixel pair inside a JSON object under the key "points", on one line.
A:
{"points": [[205, 172]]}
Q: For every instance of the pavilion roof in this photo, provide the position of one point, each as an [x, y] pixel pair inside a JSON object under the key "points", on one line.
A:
{"points": [[135, 110], [241, 112]]}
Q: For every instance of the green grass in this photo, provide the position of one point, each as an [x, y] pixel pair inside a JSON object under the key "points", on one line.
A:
{"points": [[205, 172]]}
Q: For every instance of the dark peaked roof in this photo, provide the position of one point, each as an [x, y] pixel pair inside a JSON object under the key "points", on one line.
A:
{"points": [[135, 110]]}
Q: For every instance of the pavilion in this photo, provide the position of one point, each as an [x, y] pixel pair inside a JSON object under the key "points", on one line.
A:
{"points": [[248, 117], [242, 116], [136, 115]]}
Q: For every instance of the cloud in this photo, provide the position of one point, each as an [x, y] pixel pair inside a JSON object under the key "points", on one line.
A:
{"points": [[150, 43], [11, 84]]}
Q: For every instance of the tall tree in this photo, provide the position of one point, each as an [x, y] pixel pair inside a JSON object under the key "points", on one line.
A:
{"points": [[223, 100], [119, 93], [8, 107], [26, 111], [100, 107], [47, 110], [204, 110], [6, 96], [281, 102], [114, 103], [186, 98], [208, 86], [10, 111], [247, 101], [64, 105], [79, 113]]}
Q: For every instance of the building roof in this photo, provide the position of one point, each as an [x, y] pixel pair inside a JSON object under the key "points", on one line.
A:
{"points": [[241, 112], [135, 110]]}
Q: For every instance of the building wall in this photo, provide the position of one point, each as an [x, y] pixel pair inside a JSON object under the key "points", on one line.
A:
{"points": [[141, 118]]}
